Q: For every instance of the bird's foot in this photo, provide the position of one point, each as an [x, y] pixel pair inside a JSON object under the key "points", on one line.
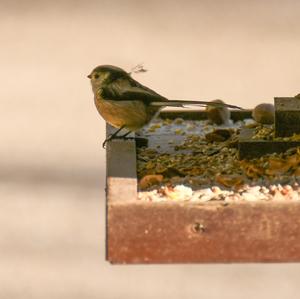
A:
{"points": [[111, 137], [105, 141], [139, 140]]}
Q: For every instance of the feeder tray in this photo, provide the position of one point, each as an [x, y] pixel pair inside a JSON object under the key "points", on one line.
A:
{"points": [[191, 232]]}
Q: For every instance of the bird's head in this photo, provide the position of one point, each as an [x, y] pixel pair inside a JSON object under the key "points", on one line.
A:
{"points": [[104, 74]]}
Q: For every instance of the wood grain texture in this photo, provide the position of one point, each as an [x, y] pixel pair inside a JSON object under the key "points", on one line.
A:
{"points": [[190, 233], [121, 180]]}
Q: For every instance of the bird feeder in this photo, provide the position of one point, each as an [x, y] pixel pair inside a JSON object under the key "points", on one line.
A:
{"points": [[193, 232]]}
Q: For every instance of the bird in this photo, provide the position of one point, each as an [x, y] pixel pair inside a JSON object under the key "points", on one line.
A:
{"points": [[264, 113], [125, 103], [219, 115]]}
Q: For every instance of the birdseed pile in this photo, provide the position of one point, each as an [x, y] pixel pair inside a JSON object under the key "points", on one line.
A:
{"points": [[189, 160]]}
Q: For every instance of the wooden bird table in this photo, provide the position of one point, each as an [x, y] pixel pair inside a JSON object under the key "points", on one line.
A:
{"points": [[190, 232]]}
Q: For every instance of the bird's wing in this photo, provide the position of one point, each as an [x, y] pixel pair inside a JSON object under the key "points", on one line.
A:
{"points": [[130, 90]]}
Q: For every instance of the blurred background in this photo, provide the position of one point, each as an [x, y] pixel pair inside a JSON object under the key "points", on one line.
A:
{"points": [[52, 165]]}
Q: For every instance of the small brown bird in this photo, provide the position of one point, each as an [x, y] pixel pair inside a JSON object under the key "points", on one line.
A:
{"points": [[264, 113], [219, 115], [125, 103]]}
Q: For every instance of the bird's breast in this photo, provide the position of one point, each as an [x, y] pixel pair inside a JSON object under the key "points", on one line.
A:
{"points": [[131, 114]]}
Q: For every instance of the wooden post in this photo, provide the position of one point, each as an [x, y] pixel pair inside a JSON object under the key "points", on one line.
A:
{"points": [[287, 116]]}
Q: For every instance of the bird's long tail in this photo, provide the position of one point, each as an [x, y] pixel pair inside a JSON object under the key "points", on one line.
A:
{"points": [[181, 103]]}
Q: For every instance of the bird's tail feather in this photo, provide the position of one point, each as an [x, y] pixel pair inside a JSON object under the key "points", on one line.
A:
{"points": [[181, 103]]}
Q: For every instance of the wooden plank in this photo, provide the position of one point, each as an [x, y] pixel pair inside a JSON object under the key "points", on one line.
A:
{"points": [[253, 148], [121, 178], [189, 233]]}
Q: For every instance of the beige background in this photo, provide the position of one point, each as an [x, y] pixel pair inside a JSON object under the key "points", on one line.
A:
{"points": [[51, 161]]}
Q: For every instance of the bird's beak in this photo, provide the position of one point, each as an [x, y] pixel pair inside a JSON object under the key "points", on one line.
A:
{"points": [[90, 76]]}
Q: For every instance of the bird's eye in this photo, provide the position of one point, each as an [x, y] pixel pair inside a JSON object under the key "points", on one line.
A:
{"points": [[96, 76]]}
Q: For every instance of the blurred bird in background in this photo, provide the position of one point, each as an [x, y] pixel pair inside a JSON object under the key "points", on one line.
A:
{"points": [[126, 104], [219, 115], [264, 114]]}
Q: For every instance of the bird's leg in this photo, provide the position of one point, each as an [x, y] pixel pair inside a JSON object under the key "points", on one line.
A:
{"points": [[140, 140], [124, 136], [112, 136]]}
